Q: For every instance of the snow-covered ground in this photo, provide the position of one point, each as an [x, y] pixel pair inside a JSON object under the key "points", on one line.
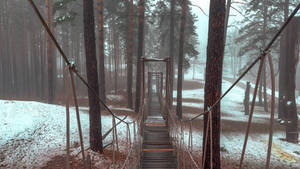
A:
{"points": [[32, 132], [284, 154]]}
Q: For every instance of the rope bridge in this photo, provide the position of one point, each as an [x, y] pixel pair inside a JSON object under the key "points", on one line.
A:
{"points": [[158, 139]]}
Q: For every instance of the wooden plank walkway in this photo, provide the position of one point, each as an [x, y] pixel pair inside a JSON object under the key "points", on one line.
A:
{"points": [[158, 152]]}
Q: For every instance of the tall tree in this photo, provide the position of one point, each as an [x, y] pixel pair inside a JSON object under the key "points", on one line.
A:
{"points": [[92, 76], [228, 6], [213, 80], [140, 54], [50, 54], [130, 56], [171, 48], [260, 24], [180, 60], [265, 12], [292, 57], [282, 61], [101, 50]]}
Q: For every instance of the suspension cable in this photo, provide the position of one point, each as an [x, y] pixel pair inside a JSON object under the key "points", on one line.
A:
{"points": [[263, 54], [72, 67]]}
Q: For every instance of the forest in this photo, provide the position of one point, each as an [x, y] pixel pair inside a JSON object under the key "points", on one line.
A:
{"points": [[149, 84]]}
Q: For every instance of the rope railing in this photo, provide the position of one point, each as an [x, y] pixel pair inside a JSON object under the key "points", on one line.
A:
{"points": [[176, 129], [136, 142]]}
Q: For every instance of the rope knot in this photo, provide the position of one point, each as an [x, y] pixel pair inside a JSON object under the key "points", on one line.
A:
{"points": [[264, 52]]}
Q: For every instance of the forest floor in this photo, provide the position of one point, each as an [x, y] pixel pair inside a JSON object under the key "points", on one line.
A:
{"points": [[33, 136]]}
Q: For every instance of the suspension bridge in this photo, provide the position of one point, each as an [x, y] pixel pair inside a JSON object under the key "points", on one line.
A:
{"points": [[158, 139]]}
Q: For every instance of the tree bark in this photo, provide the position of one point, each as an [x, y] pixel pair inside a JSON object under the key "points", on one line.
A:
{"points": [[265, 12], [292, 55], [282, 63], [213, 80], [101, 51], [50, 53], [171, 52], [246, 100], [130, 56], [140, 54], [180, 60], [228, 6], [116, 56], [92, 76]]}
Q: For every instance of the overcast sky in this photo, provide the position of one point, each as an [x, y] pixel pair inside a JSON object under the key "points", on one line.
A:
{"points": [[202, 23]]}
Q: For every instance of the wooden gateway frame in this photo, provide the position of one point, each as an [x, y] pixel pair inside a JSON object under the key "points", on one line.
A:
{"points": [[167, 82]]}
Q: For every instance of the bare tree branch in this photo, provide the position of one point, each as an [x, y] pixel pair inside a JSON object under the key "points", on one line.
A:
{"points": [[241, 13], [200, 9]]}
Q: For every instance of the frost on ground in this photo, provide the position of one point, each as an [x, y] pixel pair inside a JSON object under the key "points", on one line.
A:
{"points": [[32, 133]]}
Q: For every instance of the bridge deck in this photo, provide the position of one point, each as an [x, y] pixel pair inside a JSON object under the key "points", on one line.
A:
{"points": [[158, 152]]}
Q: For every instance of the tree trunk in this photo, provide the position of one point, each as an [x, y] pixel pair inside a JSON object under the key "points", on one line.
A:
{"points": [[130, 56], [213, 80], [282, 63], [246, 100], [50, 53], [101, 51], [292, 55], [260, 103], [180, 60], [228, 6], [116, 49], [140, 54], [265, 89], [171, 52], [92, 76], [265, 12]]}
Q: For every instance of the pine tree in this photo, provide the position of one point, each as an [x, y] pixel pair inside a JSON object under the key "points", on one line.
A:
{"points": [[213, 82], [180, 61], [92, 76], [50, 53], [289, 102], [171, 47], [130, 56], [140, 54], [101, 50]]}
